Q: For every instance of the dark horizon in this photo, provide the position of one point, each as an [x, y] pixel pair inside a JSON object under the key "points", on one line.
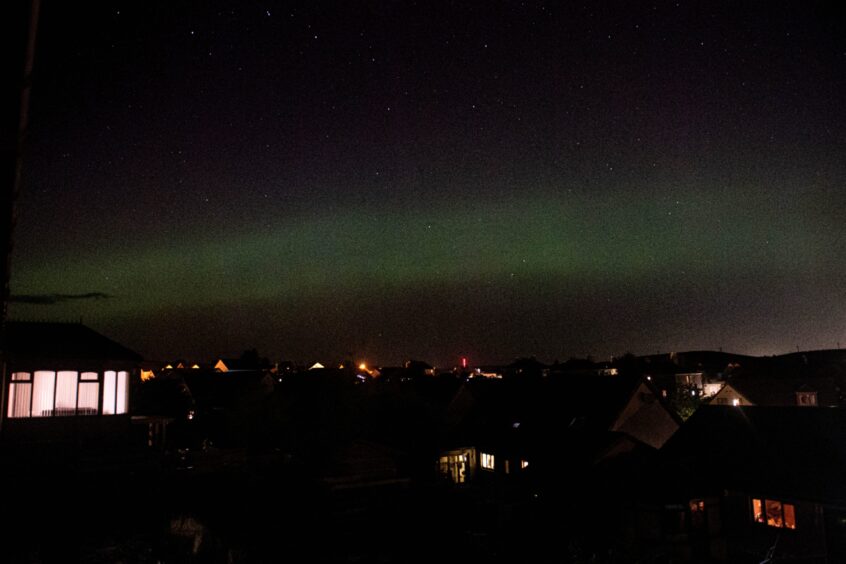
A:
{"points": [[437, 181]]}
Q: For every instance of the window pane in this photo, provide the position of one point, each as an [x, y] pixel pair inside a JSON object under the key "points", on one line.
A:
{"points": [[487, 461], [122, 391], [42, 393], [109, 386], [460, 469], [88, 376], [19, 395], [789, 516], [65, 393], [443, 465], [20, 376], [774, 513], [697, 513], [757, 511], [89, 396]]}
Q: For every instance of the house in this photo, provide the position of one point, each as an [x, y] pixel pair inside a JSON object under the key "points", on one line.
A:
{"points": [[747, 484], [702, 371], [504, 427], [226, 404], [753, 390], [233, 365], [459, 465], [65, 384], [418, 368], [582, 367], [526, 368]]}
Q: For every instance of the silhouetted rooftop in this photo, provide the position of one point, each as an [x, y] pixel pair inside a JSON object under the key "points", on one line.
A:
{"points": [[797, 452], [28, 339]]}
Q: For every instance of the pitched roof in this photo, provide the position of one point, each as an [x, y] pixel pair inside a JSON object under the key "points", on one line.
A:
{"points": [[790, 452], [28, 339], [782, 391], [575, 409]]}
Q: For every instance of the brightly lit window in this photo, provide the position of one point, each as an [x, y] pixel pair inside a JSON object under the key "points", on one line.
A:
{"points": [[454, 467], [757, 511], [487, 461], [122, 394], [44, 389], [20, 394], [46, 393], [66, 384], [774, 513], [524, 464], [49, 393], [789, 516], [109, 386], [115, 386], [89, 394]]}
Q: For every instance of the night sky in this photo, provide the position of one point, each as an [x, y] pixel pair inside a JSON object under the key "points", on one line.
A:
{"points": [[394, 180]]}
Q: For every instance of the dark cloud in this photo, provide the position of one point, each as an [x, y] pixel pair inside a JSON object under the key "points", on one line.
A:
{"points": [[53, 299]]}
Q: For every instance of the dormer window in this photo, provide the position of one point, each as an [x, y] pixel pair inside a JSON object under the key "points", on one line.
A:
{"points": [[806, 398]]}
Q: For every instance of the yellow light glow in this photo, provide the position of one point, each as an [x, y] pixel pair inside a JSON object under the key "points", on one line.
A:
{"points": [[735, 402], [147, 375], [362, 366]]}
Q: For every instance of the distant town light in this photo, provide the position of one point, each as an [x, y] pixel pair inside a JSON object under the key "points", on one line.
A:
{"points": [[463, 362], [735, 402], [362, 366]]}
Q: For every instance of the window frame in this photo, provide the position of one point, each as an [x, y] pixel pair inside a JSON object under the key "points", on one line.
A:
{"points": [[92, 380], [761, 515]]}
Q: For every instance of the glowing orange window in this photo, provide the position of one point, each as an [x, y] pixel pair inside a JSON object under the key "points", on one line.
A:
{"points": [[757, 511], [789, 516]]}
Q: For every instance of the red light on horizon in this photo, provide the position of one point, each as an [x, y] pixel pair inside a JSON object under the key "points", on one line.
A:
{"points": [[463, 362]]}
